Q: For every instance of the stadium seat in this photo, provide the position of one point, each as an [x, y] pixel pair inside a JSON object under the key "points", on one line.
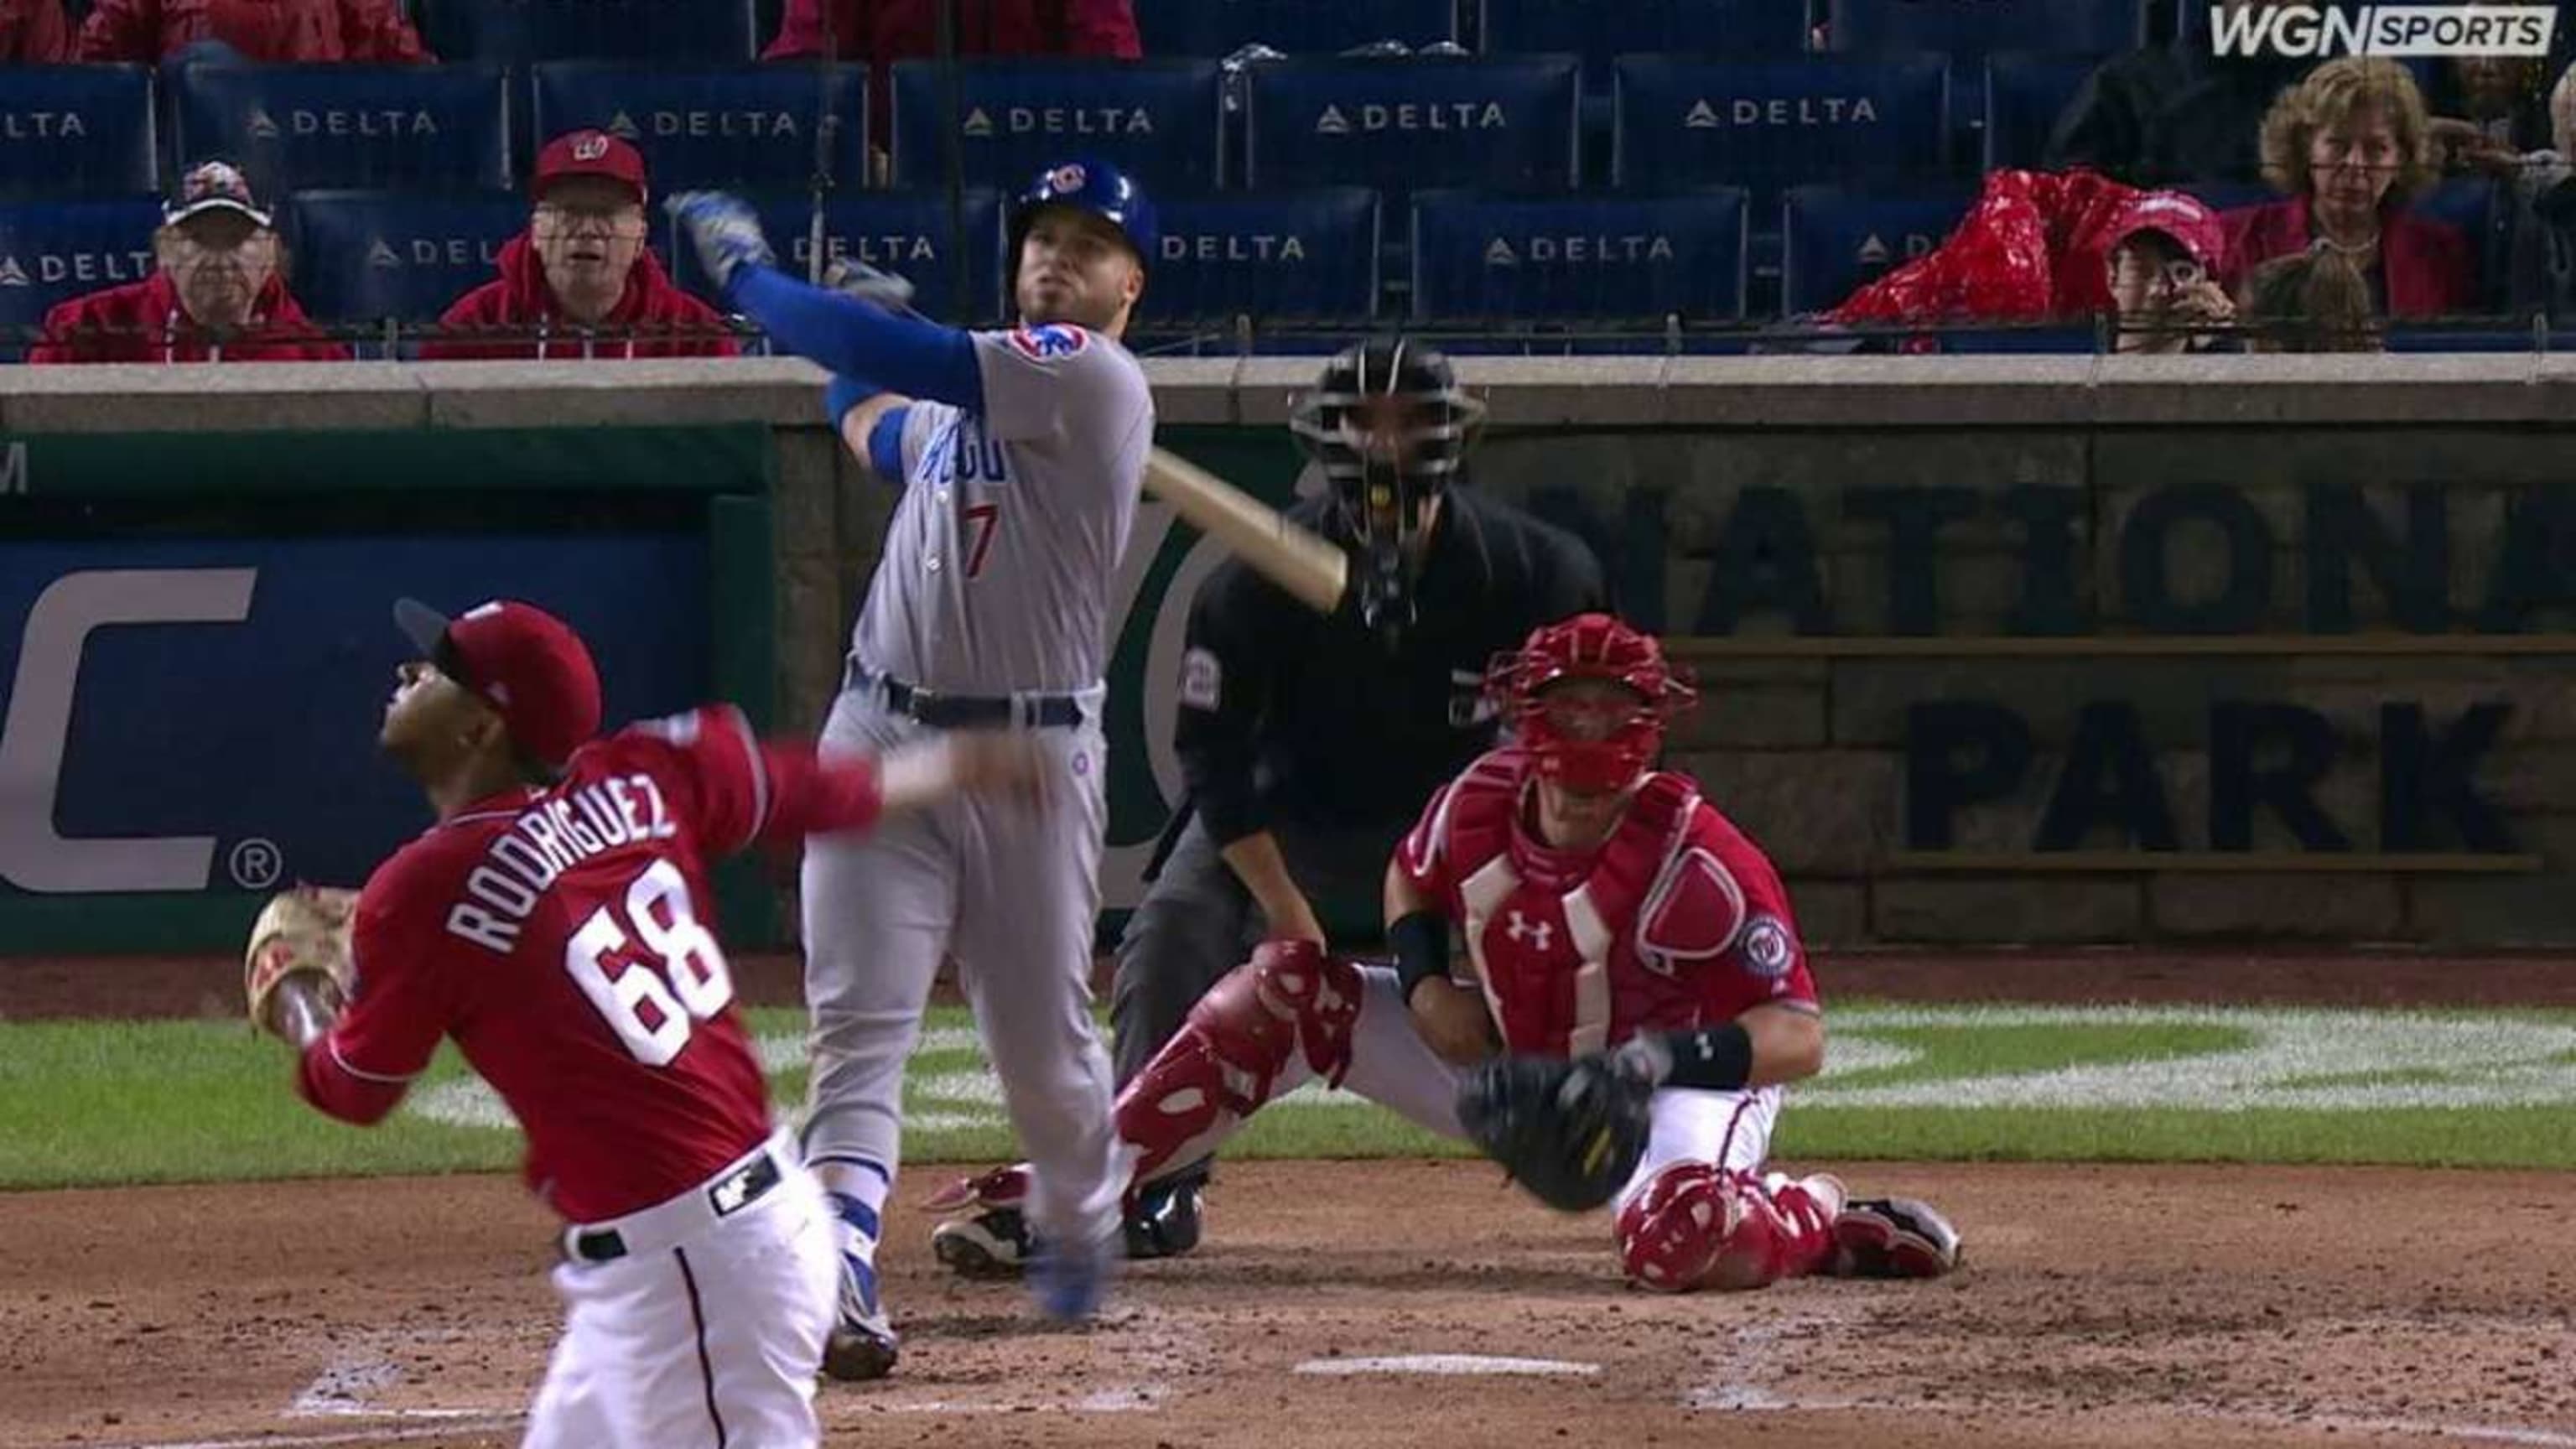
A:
{"points": [[1834, 238], [1402, 124], [2025, 94], [904, 232], [1966, 30], [50, 251], [1294, 27], [76, 130], [300, 126], [522, 32], [747, 128], [1480, 259], [366, 256], [1298, 257], [1601, 32], [1769, 124], [1159, 119]]}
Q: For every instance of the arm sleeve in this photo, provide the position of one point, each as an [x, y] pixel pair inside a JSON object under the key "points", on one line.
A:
{"points": [[1225, 691], [860, 339], [120, 30], [374, 30], [1045, 381], [400, 1007]]}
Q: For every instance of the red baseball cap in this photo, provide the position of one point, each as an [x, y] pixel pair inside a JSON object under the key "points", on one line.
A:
{"points": [[521, 660], [589, 153], [2184, 217]]}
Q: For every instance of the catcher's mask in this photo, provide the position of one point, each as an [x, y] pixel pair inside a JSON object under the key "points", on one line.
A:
{"points": [[1389, 427], [1589, 698]]}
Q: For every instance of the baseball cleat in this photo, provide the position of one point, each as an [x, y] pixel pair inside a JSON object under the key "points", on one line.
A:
{"points": [[862, 1344], [1162, 1219], [1894, 1237], [994, 1243], [1068, 1287]]}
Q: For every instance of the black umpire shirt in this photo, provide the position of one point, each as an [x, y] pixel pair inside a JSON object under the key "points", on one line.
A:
{"points": [[1289, 717]]}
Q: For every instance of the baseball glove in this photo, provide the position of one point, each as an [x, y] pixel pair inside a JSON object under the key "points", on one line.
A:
{"points": [[1569, 1131], [297, 972]]}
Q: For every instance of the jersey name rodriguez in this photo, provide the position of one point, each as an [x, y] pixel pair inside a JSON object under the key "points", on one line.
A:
{"points": [[548, 839]]}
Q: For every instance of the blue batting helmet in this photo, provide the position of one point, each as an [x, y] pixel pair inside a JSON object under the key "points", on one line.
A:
{"points": [[1092, 186]]}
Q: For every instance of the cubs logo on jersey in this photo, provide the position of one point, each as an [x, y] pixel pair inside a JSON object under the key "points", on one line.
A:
{"points": [[1049, 342]]}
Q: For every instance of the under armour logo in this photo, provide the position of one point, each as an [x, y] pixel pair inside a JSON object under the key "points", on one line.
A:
{"points": [[1522, 929]]}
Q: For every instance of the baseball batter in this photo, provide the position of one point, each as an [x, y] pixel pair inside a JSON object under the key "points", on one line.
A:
{"points": [[554, 921], [1021, 454], [1612, 916]]}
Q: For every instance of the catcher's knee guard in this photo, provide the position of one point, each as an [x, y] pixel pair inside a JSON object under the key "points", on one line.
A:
{"points": [[1286, 1014], [1697, 1225]]}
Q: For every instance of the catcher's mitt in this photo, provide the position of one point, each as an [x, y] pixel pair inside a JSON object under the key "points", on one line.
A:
{"points": [[297, 972], [1569, 1131]]}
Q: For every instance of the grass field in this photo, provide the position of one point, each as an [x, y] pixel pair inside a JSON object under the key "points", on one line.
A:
{"points": [[103, 1103]]}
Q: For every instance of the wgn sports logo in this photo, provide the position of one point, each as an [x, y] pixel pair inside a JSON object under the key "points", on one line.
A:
{"points": [[2312, 32]]}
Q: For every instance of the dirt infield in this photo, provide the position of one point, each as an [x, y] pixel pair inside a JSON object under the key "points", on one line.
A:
{"points": [[2102, 1307]]}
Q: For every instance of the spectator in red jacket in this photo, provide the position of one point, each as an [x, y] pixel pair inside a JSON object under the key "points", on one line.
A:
{"points": [[579, 281], [33, 32], [266, 32], [881, 32], [217, 296], [2349, 145]]}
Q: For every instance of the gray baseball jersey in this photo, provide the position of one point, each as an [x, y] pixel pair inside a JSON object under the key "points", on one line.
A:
{"points": [[998, 565]]}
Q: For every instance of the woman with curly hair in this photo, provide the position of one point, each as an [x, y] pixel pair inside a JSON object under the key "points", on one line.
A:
{"points": [[2349, 145], [2311, 302]]}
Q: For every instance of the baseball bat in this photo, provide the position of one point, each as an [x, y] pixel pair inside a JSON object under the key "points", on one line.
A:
{"points": [[1315, 571]]}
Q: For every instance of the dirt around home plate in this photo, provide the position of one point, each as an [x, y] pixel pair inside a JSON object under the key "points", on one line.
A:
{"points": [[2101, 1305]]}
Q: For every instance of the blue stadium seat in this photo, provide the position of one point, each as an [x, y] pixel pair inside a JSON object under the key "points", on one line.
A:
{"points": [[300, 126], [1505, 124], [1600, 32], [2231, 195], [364, 256], [2025, 94], [1159, 119], [741, 128], [1298, 257], [521, 32], [1478, 259], [1966, 30], [1837, 237], [76, 130], [1293, 27], [1768, 124], [905, 232], [53, 251]]}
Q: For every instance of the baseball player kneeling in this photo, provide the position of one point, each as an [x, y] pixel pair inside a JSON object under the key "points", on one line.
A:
{"points": [[1632, 952]]}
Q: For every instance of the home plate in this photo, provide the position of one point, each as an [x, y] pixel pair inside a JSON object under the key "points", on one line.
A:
{"points": [[1443, 1363]]}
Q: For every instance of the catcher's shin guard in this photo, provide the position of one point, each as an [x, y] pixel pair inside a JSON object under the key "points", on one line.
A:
{"points": [[1282, 1017], [1697, 1225]]}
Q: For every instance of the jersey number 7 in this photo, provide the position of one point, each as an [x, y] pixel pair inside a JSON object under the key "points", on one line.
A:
{"points": [[984, 518], [651, 1003]]}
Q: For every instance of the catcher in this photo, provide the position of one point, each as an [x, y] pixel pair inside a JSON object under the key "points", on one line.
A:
{"points": [[1639, 955], [554, 922]]}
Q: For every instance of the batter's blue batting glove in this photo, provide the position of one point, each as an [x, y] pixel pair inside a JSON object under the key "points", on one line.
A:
{"points": [[725, 231], [858, 279]]}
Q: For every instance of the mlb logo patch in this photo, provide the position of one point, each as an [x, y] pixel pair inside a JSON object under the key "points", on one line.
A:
{"points": [[1049, 342]]}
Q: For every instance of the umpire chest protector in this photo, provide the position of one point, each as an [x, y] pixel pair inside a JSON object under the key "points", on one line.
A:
{"points": [[1581, 952]]}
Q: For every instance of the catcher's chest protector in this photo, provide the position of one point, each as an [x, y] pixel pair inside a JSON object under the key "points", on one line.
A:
{"points": [[1555, 942]]}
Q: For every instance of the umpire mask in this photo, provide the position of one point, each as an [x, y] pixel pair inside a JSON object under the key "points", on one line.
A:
{"points": [[1389, 427]]}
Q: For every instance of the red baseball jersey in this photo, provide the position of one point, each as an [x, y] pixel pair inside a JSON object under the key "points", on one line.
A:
{"points": [[561, 936], [1676, 921]]}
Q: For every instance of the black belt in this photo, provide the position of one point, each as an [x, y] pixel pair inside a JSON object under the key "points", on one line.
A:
{"points": [[728, 1195], [966, 711]]}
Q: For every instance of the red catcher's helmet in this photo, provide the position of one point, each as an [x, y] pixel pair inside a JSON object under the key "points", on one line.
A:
{"points": [[1609, 751]]}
